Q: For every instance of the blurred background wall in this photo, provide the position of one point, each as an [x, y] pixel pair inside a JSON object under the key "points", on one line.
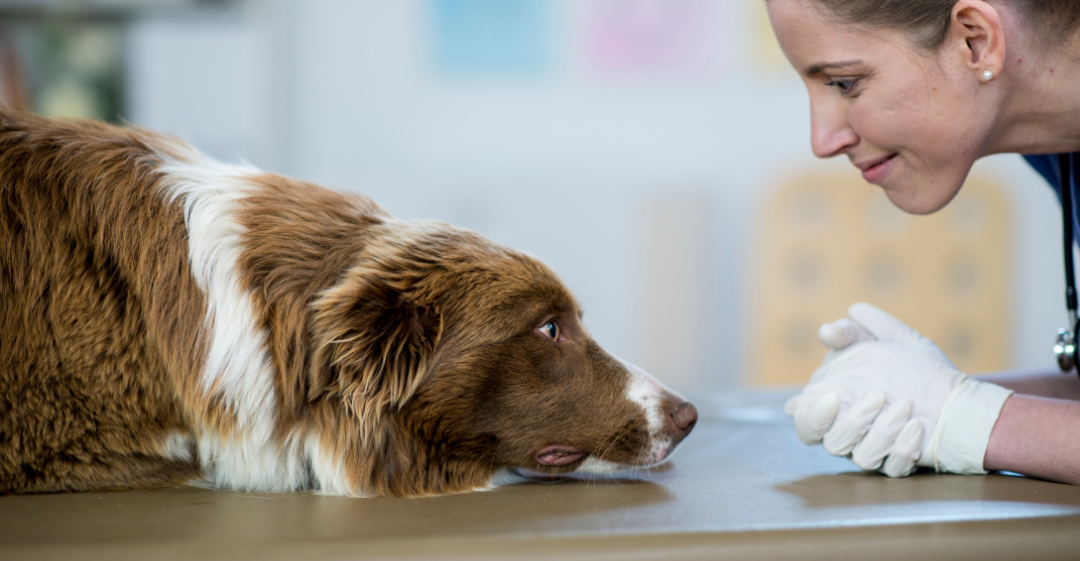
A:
{"points": [[654, 152]]}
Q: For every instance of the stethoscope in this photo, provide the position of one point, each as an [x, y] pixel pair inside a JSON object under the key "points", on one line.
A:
{"points": [[1065, 348]]}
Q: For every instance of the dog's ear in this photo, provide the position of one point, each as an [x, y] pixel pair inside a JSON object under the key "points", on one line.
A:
{"points": [[373, 343]]}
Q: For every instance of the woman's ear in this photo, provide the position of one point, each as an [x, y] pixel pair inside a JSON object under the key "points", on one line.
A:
{"points": [[976, 30], [372, 343]]}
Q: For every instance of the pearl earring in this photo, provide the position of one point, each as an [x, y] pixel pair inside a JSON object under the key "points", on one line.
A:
{"points": [[988, 75]]}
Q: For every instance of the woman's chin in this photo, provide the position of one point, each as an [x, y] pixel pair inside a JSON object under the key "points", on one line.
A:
{"points": [[926, 197]]}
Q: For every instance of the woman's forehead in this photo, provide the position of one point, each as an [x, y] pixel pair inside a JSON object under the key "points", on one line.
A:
{"points": [[815, 44]]}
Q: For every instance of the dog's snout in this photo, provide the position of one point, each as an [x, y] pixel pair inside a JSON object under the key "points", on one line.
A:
{"points": [[684, 416]]}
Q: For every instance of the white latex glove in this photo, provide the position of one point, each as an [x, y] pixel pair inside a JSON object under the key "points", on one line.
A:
{"points": [[891, 399]]}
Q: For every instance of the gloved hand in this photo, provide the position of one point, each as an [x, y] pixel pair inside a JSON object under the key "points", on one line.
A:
{"points": [[891, 399]]}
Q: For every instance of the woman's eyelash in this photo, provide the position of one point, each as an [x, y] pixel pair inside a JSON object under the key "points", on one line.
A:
{"points": [[845, 85]]}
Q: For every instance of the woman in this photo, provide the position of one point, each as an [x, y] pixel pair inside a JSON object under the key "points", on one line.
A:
{"points": [[913, 92]]}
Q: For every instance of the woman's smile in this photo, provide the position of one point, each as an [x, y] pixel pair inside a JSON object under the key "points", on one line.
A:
{"points": [[873, 170]]}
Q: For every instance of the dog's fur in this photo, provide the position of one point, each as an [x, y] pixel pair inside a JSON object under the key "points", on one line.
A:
{"points": [[165, 318]]}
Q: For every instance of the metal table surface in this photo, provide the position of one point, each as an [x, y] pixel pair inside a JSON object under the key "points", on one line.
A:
{"points": [[742, 486]]}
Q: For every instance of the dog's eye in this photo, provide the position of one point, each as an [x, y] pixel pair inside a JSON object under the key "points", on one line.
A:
{"points": [[551, 330]]}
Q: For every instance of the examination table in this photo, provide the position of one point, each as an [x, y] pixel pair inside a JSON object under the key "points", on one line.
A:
{"points": [[742, 486]]}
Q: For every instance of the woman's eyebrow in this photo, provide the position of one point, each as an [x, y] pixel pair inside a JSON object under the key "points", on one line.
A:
{"points": [[817, 68]]}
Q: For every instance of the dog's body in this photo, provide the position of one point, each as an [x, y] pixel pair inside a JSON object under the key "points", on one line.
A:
{"points": [[166, 318]]}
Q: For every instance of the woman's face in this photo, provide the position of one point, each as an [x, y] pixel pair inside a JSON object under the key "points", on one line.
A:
{"points": [[913, 121]]}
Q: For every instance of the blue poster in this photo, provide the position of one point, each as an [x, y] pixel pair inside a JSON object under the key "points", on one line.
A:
{"points": [[491, 36]]}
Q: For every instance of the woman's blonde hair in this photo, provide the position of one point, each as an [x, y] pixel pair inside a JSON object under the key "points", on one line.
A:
{"points": [[928, 20]]}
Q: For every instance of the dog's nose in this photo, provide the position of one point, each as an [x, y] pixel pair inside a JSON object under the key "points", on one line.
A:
{"points": [[684, 416]]}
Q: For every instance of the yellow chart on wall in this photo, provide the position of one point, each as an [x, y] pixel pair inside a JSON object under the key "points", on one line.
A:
{"points": [[828, 241]]}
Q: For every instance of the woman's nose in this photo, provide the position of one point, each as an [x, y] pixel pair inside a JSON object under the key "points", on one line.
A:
{"points": [[830, 132]]}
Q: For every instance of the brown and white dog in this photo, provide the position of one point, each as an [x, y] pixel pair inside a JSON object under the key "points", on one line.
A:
{"points": [[166, 318]]}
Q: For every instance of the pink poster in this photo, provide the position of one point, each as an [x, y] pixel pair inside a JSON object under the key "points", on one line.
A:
{"points": [[650, 37]]}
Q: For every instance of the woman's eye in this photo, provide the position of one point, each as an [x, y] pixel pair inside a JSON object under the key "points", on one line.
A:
{"points": [[845, 85], [551, 330]]}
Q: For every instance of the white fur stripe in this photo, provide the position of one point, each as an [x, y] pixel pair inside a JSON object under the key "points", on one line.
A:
{"points": [[236, 360], [648, 393], [237, 366]]}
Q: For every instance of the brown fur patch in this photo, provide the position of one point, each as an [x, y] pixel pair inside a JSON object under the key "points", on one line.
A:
{"points": [[95, 307]]}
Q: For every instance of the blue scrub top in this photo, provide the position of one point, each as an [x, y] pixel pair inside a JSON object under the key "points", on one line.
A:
{"points": [[1047, 166]]}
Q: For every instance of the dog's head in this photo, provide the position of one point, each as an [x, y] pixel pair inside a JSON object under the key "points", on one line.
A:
{"points": [[450, 360]]}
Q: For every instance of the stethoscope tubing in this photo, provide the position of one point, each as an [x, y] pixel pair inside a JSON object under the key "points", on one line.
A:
{"points": [[1065, 181], [1065, 350]]}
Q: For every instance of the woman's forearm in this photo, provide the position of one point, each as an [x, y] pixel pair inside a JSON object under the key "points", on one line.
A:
{"points": [[1038, 383], [1037, 436]]}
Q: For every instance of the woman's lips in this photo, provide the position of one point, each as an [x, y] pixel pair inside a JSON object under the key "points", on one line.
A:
{"points": [[873, 171]]}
